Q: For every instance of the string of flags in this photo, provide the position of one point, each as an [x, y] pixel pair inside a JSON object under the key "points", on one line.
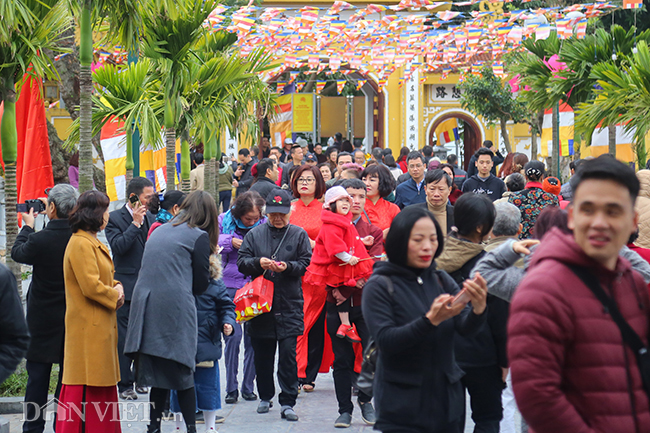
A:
{"points": [[411, 36]]}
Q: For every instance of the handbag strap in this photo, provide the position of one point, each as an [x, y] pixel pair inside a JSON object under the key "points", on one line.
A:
{"points": [[274, 256], [629, 336]]}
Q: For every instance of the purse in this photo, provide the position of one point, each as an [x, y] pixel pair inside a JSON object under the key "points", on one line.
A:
{"points": [[630, 337], [256, 297]]}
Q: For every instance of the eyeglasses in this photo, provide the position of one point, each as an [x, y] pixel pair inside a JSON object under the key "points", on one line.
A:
{"points": [[307, 180]]}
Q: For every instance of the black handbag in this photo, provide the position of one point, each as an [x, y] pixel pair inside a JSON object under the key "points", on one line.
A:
{"points": [[629, 336]]}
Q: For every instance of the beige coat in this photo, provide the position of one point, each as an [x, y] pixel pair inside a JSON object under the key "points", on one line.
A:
{"points": [[643, 208], [90, 354], [196, 178]]}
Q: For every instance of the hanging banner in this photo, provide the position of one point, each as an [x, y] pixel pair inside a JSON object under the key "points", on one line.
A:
{"points": [[303, 112], [280, 123], [320, 85]]}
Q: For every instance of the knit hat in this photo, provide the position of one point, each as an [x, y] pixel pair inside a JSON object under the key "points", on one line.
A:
{"points": [[333, 194], [552, 185]]}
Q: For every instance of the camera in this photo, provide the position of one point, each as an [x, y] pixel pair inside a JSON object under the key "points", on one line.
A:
{"points": [[35, 204]]}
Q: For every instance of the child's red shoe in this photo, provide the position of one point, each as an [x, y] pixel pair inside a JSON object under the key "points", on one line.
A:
{"points": [[348, 332]]}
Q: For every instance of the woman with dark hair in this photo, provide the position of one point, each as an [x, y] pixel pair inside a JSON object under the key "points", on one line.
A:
{"points": [[225, 184], [379, 183], [389, 161], [409, 309], [325, 170], [234, 225], [455, 191], [169, 208], [532, 199], [514, 163], [332, 154], [90, 366], [162, 332], [346, 146], [401, 160], [308, 187], [482, 356]]}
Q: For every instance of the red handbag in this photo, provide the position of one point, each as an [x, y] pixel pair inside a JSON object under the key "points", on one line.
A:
{"points": [[256, 297]]}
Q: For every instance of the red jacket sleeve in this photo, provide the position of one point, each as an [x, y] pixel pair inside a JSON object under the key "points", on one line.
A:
{"points": [[540, 331]]}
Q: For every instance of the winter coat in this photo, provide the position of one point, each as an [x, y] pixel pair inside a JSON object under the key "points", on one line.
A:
{"points": [[14, 337], [286, 316], [214, 308], [163, 318], [492, 187], [496, 160], [567, 356], [459, 176], [643, 208], [46, 296], [488, 346], [90, 352], [407, 193], [246, 179], [231, 276], [531, 201], [417, 381], [263, 186]]}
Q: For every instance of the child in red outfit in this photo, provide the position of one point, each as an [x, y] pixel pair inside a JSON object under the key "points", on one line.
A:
{"points": [[340, 258]]}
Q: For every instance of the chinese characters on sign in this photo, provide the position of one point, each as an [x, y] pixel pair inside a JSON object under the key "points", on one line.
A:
{"points": [[443, 93], [412, 115]]}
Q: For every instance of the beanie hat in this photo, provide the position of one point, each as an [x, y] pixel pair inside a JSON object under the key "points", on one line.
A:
{"points": [[552, 185], [333, 194]]}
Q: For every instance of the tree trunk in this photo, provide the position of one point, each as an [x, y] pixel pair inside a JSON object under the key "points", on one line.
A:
{"points": [[129, 159], [555, 155], [208, 181], [533, 143], [185, 164], [504, 134], [170, 141], [85, 106], [611, 135]]}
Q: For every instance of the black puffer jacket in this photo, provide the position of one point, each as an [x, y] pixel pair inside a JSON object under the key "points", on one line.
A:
{"points": [[286, 316], [214, 308], [14, 337]]}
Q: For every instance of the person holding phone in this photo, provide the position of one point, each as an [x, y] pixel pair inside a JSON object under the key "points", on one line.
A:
{"points": [[407, 307], [127, 232]]}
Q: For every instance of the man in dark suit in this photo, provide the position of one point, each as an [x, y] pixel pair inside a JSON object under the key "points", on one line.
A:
{"points": [[46, 298], [437, 188], [127, 233]]}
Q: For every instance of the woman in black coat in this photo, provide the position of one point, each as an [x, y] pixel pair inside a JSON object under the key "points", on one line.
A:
{"points": [[407, 306]]}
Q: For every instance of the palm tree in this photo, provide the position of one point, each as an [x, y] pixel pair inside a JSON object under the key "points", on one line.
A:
{"points": [[170, 33], [581, 55], [624, 97], [29, 29], [128, 94], [122, 23]]}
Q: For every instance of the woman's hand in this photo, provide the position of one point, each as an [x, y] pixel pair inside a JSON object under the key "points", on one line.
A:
{"points": [[522, 247], [227, 329], [441, 310], [278, 266], [236, 243], [353, 261], [312, 243], [266, 263], [368, 240], [120, 299], [477, 291]]}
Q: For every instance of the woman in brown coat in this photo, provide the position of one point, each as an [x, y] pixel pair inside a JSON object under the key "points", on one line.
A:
{"points": [[90, 369]]}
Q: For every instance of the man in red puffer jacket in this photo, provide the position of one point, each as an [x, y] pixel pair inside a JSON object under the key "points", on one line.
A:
{"points": [[571, 370]]}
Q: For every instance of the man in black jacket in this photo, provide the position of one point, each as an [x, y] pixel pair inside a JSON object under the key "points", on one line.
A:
{"points": [[46, 298], [267, 175], [126, 232], [14, 337], [484, 182], [497, 159], [243, 176]]}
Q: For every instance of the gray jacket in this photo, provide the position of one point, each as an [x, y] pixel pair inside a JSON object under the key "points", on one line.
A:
{"points": [[163, 318], [497, 267]]}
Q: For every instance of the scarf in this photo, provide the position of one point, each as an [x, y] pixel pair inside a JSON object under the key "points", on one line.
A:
{"points": [[223, 170], [229, 224], [163, 216]]}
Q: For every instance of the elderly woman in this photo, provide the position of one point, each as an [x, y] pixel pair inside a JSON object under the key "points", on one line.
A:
{"points": [[162, 333], [325, 171], [532, 199], [380, 183], [234, 225], [409, 309], [90, 366], [281, 252]]}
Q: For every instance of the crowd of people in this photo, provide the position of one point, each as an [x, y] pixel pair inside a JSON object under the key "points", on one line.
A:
{"points": [[524, 293]]}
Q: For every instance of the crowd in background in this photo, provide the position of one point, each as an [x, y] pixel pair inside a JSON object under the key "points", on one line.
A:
{"points": [[482, 282]]}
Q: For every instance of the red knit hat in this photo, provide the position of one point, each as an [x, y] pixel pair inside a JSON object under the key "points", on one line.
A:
{"points": [[552, 185]]}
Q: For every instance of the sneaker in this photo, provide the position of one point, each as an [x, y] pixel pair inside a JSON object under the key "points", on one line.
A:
{"points": [[141, 389], [219, 419], [288, 414], [264, 406], [343, 421], [128, 394], [232, 397], [367, 413], [351, 334], [199, 419], [167, 415], [249, 396]]}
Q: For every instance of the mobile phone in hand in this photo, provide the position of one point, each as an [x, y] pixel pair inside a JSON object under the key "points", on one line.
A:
{"points": [[461, 297], [134, 199]]}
